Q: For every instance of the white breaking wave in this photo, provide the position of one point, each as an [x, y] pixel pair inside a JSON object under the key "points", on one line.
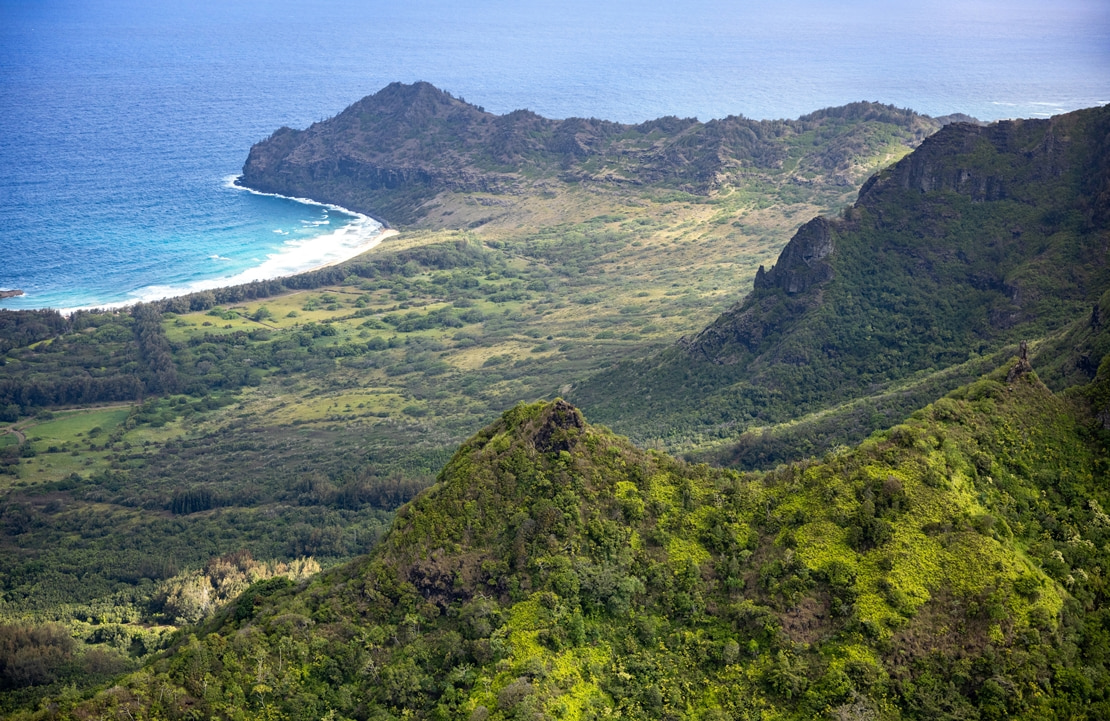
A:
{"points": [[1045, 108], [296, 255]]}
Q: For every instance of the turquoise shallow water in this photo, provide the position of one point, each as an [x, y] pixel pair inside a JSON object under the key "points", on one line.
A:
{"points": [[122, 121]]}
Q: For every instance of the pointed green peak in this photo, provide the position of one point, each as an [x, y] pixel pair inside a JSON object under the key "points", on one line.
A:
{"points": [[536, 467], [556, 567], [543, 427], [549, 427]]}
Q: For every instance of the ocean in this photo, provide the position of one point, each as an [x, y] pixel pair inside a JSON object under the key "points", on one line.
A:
{"points": [[122, 123]]}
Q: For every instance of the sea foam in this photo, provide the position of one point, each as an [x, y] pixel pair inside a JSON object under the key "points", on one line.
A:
{"points": [[296, 255]]}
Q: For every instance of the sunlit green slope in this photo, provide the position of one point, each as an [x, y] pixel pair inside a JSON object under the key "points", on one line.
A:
{"points": [[950, 567]]}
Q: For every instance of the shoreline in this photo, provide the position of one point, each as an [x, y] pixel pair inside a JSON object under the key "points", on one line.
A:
{"points": [[222, 283], [232, 182], [249, 275], [376, 240]]}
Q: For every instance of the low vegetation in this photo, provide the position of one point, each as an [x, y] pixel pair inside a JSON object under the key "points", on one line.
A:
{"points": [[948, 568], [222, 505]]}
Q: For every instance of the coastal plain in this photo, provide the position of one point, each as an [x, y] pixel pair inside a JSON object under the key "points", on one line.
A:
{"points": [[359, 492], [310, 454]]}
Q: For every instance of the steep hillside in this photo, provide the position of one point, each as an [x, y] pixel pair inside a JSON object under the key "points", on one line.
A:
{"points": [[947, 568], [297, 414], [392, 153], [981, 237], [950, 567]]}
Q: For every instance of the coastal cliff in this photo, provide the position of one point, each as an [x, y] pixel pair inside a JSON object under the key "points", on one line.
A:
{"points": [[392, 153]]}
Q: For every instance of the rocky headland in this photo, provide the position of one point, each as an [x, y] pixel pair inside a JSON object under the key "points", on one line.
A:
{"points": [[394, 155]]}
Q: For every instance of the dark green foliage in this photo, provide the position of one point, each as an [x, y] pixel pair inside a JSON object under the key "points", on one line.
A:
{"points": [[87, 358], [160, 376], [555, 567], [309, 494], [191, 501], [9, 413], [20, 328], [978, 239], [33, 655]]}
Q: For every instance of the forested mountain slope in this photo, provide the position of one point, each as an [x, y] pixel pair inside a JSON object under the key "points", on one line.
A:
{"points": [[950, 567], [982, 236], [144, 452]]}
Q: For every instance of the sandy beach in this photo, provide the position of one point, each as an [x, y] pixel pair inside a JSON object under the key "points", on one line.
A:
{"points": [[248, 276], [369, 245]]}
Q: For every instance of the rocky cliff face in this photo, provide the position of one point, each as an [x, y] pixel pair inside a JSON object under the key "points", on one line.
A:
{"points": [[390, 153], [802, 263], [985, 163], [778, 294], [1036, 192], [406, 140]]}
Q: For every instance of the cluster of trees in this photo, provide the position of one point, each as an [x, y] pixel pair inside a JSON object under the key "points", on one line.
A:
{"points": [[85, 358], [159, 370], [22, 328], [93, 357], [919, 280], [33, 655], [556, 564]]}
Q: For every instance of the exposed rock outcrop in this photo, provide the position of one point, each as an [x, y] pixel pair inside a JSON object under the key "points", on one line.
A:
{"points": [[1023, 367], [562, 424], [802, 263], [390, 153], [983, 162], [779, 294]]}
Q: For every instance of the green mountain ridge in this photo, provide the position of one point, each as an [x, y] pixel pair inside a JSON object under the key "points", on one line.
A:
{"points": [[982, 236], [392, 153], [947, 568], [950, 565]]}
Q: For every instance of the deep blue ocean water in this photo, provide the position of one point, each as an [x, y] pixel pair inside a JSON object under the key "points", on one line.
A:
{"points": [[121, 122]]}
